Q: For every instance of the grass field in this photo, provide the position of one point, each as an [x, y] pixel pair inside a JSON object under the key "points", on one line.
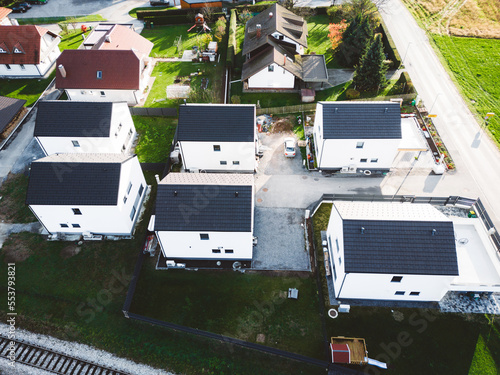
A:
{"points": [[67, 19], [13, 193], [318, 40], [450, 343], [475, 66], [473, 18], [155, 137]]}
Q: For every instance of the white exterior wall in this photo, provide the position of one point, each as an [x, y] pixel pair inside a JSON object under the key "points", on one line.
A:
{"points": [[379, 286], [280, 78], [298, 48], [93, 95], [201, 155], [108, 220], [188, 245], [113, 143], [374, 285]]}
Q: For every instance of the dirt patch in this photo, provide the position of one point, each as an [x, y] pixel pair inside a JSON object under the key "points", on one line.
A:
{"points": [[16, 251], [69, 251], [284, 124], [261, 338]]}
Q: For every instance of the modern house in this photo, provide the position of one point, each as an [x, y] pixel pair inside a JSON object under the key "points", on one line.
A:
{"points": [[4, 16], [205, 220], [217, 137], [357, 136], [274, 45], [88, 194], [407, 252], [11, 111], [112, 65], [27, 51], [84, 127]]}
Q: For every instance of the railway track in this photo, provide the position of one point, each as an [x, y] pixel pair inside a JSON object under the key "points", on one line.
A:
{"points": [[51, 361]]}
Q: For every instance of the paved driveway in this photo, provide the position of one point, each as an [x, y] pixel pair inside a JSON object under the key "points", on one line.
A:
{"points": [[281, 243]]}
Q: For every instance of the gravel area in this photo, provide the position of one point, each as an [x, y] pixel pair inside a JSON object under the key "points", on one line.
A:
{"points": [[73, 349], [281, 242], [459, 302], [274, 161]]}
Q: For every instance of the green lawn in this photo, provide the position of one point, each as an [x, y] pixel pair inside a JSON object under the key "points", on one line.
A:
{"points": [[67, 19], [155, 137], [475, 66], [164, 37], [12, 207], [72, 39], [430, 342], [318, 40]]}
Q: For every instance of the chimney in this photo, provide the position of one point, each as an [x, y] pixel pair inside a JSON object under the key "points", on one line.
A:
{"points": [[62, 70], [107, 39], [157, 178], [259, 27], [236, 194], [270, 14]]}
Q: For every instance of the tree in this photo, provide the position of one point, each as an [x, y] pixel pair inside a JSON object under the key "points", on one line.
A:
{"points": [[220, 28], [304, 12], [354, 40], [370, 73], [364, 8], [245, 16], [335, 34]]}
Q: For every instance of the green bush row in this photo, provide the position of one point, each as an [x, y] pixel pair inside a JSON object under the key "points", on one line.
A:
{"points": [[389, 46], [405, 83], [173, 20], [231, 44], [142, 14], [257, 8]]}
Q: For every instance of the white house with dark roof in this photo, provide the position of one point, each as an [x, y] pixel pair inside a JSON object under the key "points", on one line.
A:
{"points": [[391, 251], [84, 127], [218, 137], [205, 220], [98, 194], [357, 136]]}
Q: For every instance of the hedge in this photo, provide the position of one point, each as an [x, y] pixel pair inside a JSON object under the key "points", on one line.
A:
{"points": [[406, 83], [231, 44], [142, 14], [257, 8], [389, 46], [174, 20]]}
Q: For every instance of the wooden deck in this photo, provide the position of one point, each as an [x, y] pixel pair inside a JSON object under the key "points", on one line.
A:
{"points": [[357, 347]]}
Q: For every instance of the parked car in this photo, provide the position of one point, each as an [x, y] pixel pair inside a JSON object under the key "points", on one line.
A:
{"points": [[159, 2], [24, 4], [289, 147], [18, 9], [37, 2]]}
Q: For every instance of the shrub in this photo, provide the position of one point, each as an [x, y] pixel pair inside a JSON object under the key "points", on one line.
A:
{"points": [[352, 94], [257, 8], [231, 44], [334, 13], [406, 84], [235, 99], [389, 46]]}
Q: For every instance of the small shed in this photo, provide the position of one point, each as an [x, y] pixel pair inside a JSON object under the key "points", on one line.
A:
{"points": [[340, 353], [307, 95], [349, 350]]}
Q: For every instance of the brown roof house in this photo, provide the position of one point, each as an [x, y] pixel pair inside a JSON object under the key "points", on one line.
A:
{"points": [[112, 65], [274, 45], [27, 51], [11, 111]]}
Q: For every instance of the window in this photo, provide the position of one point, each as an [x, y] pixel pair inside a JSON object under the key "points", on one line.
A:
{"points": [[414, 293], [216, 251], [64, 225], [340, 261], [132, 213], [75, 143], [373, 160], [125, 199], [103, 93], [337, 242], [129, 187], [223, 162], [7, 66], [399, 293], [141, 189], [216, 147], [22, 66], [236, 162], [363, 160], [124, 148], [360, 144], [99, 74], [75, 225], [396, 279], [204, 236], [77, 211], [270, 68], [229, 251], [130, 131]]}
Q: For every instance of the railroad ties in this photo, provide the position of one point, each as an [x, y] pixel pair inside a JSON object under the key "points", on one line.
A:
{"points": [[51, 361]]}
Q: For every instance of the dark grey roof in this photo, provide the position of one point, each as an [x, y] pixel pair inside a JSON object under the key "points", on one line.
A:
{"points": [[210, 208], [9, 108], [87, 184], [400, 247], [61, 118], [218, 123], [355, 120], [314, 68]]}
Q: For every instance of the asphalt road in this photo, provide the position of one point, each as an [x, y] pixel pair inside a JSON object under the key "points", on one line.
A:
{"points": [[476, 157]]}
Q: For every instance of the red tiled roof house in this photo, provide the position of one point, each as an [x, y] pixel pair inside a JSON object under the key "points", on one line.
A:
{"points": [[27, 51], [112, 65]]}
